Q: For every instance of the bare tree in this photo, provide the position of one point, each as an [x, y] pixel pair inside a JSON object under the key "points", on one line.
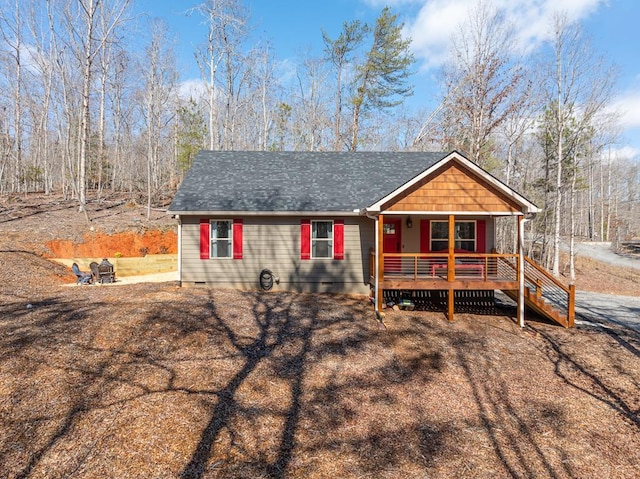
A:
{"points": [[579, 89], [12, 35], [42, 60], [99, 19], [226, 22], [311, 118], [483, 84], [340, 53], [264, 71], [160, 77]]}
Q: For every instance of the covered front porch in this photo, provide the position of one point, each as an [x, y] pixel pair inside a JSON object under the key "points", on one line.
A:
{"points": [[521, 278], [437, 232], [462, 265]]}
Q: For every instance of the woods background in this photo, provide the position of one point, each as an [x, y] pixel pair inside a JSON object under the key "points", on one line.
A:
{"points": [[91, 104]]}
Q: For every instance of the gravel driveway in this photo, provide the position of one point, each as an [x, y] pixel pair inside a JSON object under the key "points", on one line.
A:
{"points": [[596, 308], [602, 252], [600, 307]]}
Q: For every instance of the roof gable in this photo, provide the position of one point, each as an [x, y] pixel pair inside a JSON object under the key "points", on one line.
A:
{"points": [[455, 184], [452, 189]]}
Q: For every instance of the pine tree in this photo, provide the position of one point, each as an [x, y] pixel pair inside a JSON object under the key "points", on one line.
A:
{"points": [[381, 80], [192, 131]]}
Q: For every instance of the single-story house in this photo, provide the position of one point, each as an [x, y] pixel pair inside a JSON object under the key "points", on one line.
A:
{"points": [[355, 222]]}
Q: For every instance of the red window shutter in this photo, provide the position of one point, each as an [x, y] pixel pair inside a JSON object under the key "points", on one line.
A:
{"points": [[305, 239], [481, 240], [425, 244], [205, 242], [338, 239], [237, 238]]}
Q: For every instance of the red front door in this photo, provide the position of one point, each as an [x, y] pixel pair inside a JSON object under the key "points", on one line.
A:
{"points": [[392, 236], [391, 243]]}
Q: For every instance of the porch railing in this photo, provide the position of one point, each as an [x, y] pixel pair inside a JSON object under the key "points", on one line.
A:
{"points": [[425, 266], [540, 285]]}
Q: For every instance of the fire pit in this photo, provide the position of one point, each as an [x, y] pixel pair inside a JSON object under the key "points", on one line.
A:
{"points": [[106, 274]]}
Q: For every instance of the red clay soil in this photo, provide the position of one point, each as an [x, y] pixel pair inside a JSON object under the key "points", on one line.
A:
{"points": [[125, 244]]}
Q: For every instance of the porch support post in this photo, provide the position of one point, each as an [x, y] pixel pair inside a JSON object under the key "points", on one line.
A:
{"points": [[450, 303], [451, 267], [451, 263], [179, 249], [379, 261], [521, 271]]}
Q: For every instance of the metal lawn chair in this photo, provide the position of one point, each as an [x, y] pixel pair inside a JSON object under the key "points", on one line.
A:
{"points": [[95, 273], [81, 276]]}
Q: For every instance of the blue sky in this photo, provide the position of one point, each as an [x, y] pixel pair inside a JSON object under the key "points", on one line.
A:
{"points": [[294, 26]]}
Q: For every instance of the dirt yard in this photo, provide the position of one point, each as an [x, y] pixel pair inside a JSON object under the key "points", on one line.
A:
{"points": [[152, 380]]}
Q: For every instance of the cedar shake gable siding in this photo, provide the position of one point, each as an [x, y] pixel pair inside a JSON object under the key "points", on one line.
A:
{"points": [[459, 177], [450, 189]]}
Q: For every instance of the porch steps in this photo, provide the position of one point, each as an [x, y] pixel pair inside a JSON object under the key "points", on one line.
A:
{"points": [[538, 305]]}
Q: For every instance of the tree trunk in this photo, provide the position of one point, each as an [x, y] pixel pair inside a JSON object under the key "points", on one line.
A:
{"points": [[608, 237], [86, 92], [355, 125]]}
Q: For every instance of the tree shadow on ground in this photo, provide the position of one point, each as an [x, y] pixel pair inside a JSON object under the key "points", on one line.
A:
{"points": [[575, 371], [510, 429], [273, 330], [265, 385], [299, 341]]}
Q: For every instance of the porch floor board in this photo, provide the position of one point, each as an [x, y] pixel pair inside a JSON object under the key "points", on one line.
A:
{"points": [[440, 283]]}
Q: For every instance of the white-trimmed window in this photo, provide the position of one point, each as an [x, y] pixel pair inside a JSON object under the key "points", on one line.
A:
{"points": [[322, 239], [221, 238], [464, 234]]}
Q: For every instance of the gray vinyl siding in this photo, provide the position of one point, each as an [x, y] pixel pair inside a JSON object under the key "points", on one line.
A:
{"points": [[274, 243]]}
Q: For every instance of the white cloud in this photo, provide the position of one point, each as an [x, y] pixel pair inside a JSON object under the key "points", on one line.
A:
{"points": [[623, 153], [194, 88], [628, 107], [437, 20], [432, 28]]}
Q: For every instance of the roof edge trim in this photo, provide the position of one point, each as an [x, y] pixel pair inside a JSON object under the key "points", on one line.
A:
{"points": [[262, 213]]}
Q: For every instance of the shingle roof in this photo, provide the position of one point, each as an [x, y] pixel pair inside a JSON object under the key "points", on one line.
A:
{"points": [[262, 181]]}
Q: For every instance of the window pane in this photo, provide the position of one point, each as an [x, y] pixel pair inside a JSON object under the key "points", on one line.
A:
{"points": [[221, 249], [322, 249], [465, 230], [439, 230], [220, 229], [439, 245], [466, 245], [224, 248], [221, 239], [322, 229], [389, 228]]}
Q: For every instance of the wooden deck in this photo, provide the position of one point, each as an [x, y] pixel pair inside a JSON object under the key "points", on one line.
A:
{"points": [[473, 271]]}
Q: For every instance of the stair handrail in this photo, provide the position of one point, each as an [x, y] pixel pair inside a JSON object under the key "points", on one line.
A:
{"points": [[569, 290], [548, 275], [535, 282]]}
